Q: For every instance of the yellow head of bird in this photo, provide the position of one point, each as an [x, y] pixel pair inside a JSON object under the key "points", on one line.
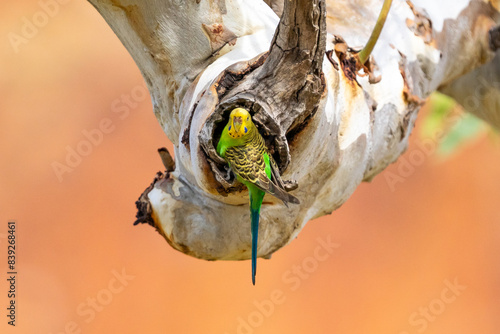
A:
{"points": [[240, 123]]}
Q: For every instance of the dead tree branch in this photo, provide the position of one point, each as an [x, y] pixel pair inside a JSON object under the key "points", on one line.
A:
{"points": [[329, 125]]}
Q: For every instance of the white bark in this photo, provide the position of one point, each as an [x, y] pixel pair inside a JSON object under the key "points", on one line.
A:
{"points": [[183, 46]]}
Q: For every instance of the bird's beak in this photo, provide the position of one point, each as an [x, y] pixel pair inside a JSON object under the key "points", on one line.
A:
{"points": [[237, 121]]}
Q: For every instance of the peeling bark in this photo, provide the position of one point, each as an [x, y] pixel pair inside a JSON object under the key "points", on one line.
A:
{"points": [[329, 123]]}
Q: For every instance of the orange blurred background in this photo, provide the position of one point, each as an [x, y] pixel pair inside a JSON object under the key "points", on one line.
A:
{"points": [[421, 255]]}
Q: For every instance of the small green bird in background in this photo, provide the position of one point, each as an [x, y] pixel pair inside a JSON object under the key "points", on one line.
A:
{"points": [[244, 149]]}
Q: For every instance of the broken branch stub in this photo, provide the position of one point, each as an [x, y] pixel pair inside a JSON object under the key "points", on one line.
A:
{"points": [[328, 126]]}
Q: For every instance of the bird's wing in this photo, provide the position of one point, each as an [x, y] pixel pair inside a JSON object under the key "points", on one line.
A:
{"points": [[247, 161], [276, 172]]}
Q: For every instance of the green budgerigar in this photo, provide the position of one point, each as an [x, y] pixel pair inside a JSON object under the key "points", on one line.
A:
{"points": [[244, 149]]}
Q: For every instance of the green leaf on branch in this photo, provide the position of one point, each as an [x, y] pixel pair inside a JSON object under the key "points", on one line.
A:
{"points": [[450, 126], [437, 120], [466, 130]]}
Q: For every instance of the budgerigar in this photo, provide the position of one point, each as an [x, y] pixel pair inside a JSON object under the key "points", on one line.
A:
{"points": [[244, 149]]}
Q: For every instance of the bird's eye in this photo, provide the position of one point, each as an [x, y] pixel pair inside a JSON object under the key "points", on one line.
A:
{"points": [[246, 129], [248, 118]]}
